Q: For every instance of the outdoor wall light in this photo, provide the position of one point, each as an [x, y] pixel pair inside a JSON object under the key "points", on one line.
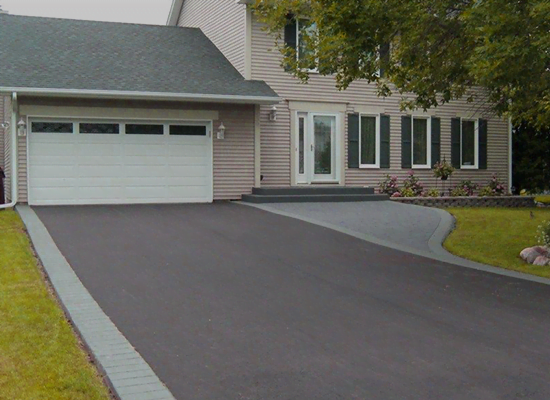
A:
{"points": [[22, 128], [221, 131], [5, 125], [273, 114]]}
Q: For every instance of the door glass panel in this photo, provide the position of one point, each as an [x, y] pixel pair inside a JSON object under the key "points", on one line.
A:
{"points": [[142, 129], [420, 141], [52, 127], [188, 130], [468, 143], [109, 129], [323, 131], [368, 140], [301, 145]]}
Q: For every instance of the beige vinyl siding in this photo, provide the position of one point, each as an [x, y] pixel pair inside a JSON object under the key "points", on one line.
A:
{"points": [[223, 22], [233, 157], [276, 141]]}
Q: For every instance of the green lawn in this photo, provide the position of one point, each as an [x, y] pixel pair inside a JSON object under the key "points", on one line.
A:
{"points": [[40, 357], [496, 236]]}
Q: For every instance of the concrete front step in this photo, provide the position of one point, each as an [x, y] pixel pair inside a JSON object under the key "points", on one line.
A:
{"points": [[312, 198], [313, 190]]}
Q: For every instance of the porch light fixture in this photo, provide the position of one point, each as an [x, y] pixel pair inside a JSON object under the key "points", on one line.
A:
{"points": [[221, 132], [5, 125], [22, 128], [273, 114]]}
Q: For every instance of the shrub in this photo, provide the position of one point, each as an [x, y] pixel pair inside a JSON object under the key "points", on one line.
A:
{"points": [[543, 234], [432, 193], [544, 199], [465, 188], [389, 185], [408, 192], [413, 183], [496, 186], [486, 191]]}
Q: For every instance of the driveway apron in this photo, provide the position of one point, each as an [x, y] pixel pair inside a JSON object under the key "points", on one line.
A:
{"points": [[232, 302]]}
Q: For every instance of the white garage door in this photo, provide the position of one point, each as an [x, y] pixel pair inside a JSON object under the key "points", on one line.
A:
{"points": [[91, 162]]}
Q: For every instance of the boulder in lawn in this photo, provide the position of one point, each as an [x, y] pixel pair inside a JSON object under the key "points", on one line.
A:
{"points": [[542, 261], [530, 254]]}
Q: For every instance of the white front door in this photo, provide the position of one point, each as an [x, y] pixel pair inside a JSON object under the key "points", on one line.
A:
{"points": [[316, 145]]}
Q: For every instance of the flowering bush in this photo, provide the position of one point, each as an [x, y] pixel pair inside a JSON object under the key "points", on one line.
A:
{"points": [[543, 235], [465, 188], [432, 193], [486, 191], [413, 184], [396, 194], [389, 185], [443, 170], [496, 186]]}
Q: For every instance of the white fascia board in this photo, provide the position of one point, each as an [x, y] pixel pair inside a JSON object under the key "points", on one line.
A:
{"points": [[175, 12], [108, 94]]}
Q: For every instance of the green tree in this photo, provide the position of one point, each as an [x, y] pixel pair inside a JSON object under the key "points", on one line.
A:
{"points": [[494, 53]]}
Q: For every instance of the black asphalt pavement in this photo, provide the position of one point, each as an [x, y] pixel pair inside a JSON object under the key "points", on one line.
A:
{"points": [[231, 302]]}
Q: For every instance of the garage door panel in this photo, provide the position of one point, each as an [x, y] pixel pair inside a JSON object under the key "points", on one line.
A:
{"points": [[118, 169]]}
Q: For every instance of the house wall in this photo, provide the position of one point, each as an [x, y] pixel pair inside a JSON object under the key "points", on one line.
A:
{"points": [[223, 22], [276, 135], [5, 150], [233, 157], [2, 132]]}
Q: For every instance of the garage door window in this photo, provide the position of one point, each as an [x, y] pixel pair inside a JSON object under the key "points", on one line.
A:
{"points": [[52, 127], [100, 128], [188, 130], [141, 129]]}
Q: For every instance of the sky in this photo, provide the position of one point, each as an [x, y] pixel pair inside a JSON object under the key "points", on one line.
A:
{"points": [[136, 11]]}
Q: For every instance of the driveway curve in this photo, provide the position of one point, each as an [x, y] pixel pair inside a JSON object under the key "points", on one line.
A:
{"points": [[400, 225], [231, 302]]}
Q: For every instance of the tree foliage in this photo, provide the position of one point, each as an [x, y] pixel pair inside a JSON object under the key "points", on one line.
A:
{"points": [[441, 50], [531, 159]]}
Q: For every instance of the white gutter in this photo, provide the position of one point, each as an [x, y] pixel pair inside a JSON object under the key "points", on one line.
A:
{"points": [[13, 126], [122, 94]]}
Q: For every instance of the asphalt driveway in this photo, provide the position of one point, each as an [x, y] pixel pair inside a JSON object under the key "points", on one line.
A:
{"points": [[232, 302]]}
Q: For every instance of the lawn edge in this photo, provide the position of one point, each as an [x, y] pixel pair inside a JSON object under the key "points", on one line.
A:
{"points": [[111, 352], [440, 235]]}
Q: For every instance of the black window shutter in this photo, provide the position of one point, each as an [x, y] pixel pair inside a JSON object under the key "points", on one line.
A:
{"points": [[436, 140], [406, 138], [482, 144], [290, 32], [384, 141], [455, 142], [353, 140]]}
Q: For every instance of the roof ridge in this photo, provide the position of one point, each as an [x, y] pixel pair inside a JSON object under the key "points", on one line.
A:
{"points": [[6, 15]]}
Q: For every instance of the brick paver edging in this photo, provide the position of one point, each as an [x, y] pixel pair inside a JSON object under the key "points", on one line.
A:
{"points": [[126, 372], [474, 201]]}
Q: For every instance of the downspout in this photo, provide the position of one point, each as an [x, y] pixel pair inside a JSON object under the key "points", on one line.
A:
{"points": [[13, 126], [510, 154]]}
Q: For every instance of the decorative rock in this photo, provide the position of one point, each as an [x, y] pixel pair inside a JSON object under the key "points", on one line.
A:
{"points": [[530, 254], [542, 261]]}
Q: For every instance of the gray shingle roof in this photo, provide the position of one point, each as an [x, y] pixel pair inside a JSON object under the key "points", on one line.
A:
{"points": [[52, 53]]}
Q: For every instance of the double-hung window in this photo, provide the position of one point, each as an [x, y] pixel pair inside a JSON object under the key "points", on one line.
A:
{"points": [[470, 143], [305, 48], [369, 141], [421, 142]]}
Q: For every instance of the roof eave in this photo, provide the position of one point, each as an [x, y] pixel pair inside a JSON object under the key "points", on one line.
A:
{"points": [[132, 95]]}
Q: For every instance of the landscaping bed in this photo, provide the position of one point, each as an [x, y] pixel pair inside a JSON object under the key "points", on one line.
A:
{"points": [[472, 201], [40, 356], [497, 236]]}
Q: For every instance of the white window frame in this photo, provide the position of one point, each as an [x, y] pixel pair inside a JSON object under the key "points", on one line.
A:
{"points": [[311, 70], [428, 164], [476, 144], [376, 165]]}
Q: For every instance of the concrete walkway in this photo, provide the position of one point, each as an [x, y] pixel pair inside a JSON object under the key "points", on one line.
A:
{"points": [[417, 230]]}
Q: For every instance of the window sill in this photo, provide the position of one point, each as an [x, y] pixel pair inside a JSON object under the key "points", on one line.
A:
{"points": [[367, 166], [469, 167], [426, 167]]}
